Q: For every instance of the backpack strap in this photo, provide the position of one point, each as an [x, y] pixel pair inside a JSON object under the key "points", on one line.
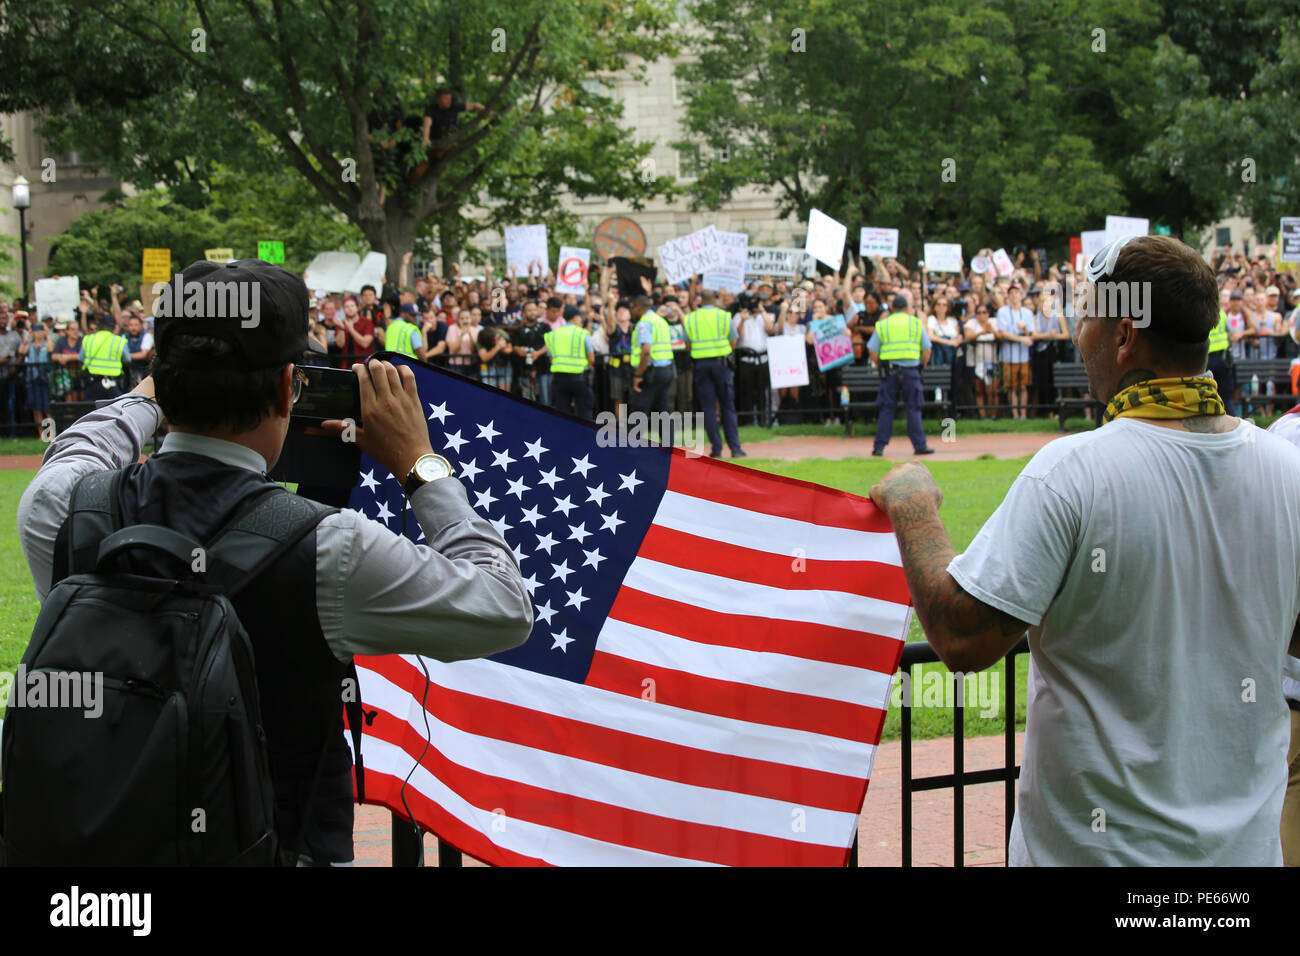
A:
{"points": [[95, 513], [263, 532]]}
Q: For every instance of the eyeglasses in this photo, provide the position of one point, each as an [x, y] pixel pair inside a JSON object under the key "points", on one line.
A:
{"points": [[300, 382]]}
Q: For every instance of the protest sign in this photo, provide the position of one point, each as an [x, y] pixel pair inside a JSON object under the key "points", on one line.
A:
{"points": [[271, 251], [787, 362], [345, 271], [831, 342], [57, 296], [878, 242], [1002, 262], [1117, 227], [698, 252], [571, 276], [1092, 242], [764, 261], [729, 274], [943, 257], [1288, 242], [526, 249], [156, 265], [826, 237], [218, 255]]}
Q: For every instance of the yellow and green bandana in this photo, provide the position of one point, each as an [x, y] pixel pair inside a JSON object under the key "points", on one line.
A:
{"points": [[1166, 398]]}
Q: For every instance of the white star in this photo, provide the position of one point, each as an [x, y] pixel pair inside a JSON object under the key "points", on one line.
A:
{"points": [[384, 513], [454, 441], [517, 488], [368, 480], [420, 538], [579, 532], [562, 641], [549, 478], [611, 522], [597, 494], [546, 541], [581, 465], [545, 613], [503, 460], [500, 525], [630, 482], [470, 470], [518, 553], [565, 505], [593, 558], [488, 432], [562, 571], [532, 516], [535, 450], [361, 511], [484, 499], [575, 599], [531, 583], [439, 412]]}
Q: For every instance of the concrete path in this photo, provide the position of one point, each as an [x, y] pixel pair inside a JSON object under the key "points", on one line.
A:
{"points": [[963, 448]]}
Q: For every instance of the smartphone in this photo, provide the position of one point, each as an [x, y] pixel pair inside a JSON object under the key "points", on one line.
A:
{"points": [[330, 393]]}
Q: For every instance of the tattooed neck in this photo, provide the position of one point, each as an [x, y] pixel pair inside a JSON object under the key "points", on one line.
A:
{"points": [[1132, 377]]}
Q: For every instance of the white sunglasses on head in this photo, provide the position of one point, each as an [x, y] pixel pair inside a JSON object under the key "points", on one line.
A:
{"points": [[1103, 263]]}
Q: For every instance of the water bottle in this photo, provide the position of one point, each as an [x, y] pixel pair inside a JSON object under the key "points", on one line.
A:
{"points": [[844, 395], [1270, 388], [1254, 385], [938, 395]]}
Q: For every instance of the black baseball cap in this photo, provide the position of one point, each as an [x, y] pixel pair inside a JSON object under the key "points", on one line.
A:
{"points": [[257, 308]]}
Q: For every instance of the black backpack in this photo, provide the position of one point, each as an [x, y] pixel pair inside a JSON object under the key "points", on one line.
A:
{"points": [[166, 763]]}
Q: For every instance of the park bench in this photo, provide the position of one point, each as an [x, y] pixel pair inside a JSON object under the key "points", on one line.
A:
{"points": [[863, 383]]}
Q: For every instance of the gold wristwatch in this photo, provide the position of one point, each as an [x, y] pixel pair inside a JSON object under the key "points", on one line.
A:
{"points": [[427, 468]]}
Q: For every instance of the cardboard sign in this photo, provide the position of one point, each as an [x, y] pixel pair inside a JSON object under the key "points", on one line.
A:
{"points": [[831, 342], [698, 252], [787, 362], [526, 248], [219, 255], [572, 273], [156, 265], [878, 242], [826, 237], [943, 257], [271, 251], [57, 296], [1117, 227], [1002, 262], [345, 271], [1288, 242], [763, 261], [729, 274]]}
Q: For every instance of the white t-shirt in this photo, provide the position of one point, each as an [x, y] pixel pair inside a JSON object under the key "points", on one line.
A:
{"points": [[1157, 732], [1288, 427]]}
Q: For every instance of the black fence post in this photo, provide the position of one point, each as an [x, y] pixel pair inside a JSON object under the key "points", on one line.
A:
{"points": [[408, 843], [448, 855], [959, 772]]}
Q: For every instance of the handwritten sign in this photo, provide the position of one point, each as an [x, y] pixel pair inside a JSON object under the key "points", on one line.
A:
{"points": [[764, 261], [271, 251], [729, 274], [787, 362], [700, 251], [943, 256], [218, 255], [345, 271], [826, 237], [156, 265], [831, 342], [1002, 262], [572, 273], [57, 296], [1289, 239], [878, 242], [526, 249], [1117, 227]]}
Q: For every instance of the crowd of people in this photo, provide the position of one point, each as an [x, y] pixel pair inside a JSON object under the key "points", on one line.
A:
{"points": [[999, 335]]}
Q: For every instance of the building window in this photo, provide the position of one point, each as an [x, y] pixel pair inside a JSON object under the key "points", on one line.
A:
{"points": [[688, 163]]}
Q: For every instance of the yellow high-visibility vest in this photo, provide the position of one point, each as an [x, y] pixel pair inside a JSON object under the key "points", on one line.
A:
{"points": [[568, 348], [900, 337], [709, 330], [1219, 334], [104, 351]]}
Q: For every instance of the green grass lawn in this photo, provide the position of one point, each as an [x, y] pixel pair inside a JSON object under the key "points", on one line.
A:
{"points": [[972, 489]]}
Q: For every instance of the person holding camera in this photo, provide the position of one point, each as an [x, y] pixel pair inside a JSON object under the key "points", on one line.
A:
{"points": [[350, 586]]}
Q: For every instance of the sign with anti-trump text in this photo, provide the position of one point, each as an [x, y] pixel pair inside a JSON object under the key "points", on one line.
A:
{"points": [[943, 256], [787, 362], [571, 276], [826, 237], [156, 265], [729, 274], [770, 261], [526, 250], [692, 254], [831, 342], [878, 242]]}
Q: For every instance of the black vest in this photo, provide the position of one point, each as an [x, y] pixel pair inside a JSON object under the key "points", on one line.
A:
{"points": [[299, 678]]}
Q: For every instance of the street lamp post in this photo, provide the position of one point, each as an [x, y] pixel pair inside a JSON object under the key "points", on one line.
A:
{"points": [[22, 201]]}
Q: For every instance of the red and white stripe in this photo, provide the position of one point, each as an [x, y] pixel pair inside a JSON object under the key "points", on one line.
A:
{"points": [[730, 716]]}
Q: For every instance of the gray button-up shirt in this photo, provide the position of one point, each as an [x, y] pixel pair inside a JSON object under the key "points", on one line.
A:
{"points": [[458, 596]]}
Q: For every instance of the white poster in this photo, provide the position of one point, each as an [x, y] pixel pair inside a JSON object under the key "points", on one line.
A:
{"points": [[787, 362], [1290, 234], [766, 261], [878, 242], [943, 257], [571, 276], [729, 274], [1093, 242], [826, 238], [698, 252], [55, 296], [1117, 227], [1002, 262], [346, 271], [526, 248]]}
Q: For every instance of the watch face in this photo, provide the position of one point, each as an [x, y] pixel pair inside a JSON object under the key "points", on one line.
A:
{"points": [[432, 467]]}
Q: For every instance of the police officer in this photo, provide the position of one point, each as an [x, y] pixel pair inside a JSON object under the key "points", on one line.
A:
{"points": [[652, 381], [572, 354], [900, 347], [101, 356], [711, 334], [1219, 363], [403, 337]]}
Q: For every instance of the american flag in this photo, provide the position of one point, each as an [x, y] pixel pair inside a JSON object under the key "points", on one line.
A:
{"points": [[708, 671]]}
